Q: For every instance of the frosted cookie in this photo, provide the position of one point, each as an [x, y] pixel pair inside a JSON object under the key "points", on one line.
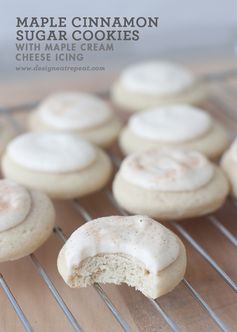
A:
{"points": [[135, 250], [229, 165], [178, 125], [6, 134], [170, 184], [78, 113], [26, 220], [59, 164], [156, 83]]}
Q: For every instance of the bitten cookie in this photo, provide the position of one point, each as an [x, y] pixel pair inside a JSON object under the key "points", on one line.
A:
{"points": [[229, 165], [78, 113], [156, 83], [62, 165], [26, 220], [179, 125], [135, 250], [170, 184]]}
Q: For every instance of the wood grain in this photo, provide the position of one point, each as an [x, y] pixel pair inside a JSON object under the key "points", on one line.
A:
{"points": [[90, 311]]}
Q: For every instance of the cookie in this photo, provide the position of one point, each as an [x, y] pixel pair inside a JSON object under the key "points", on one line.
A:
{"points": [[180, 125], [156, 83], [229, 165], [79, 113], [62, 165], [26, 220], [7, 133], [135, 250], [170, 184]]}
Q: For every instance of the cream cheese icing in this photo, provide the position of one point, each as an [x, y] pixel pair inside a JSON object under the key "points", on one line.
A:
{"points": [[167, 170], [15, 204], [156, 78], [71, 111], [51, 152], [138, 236], [174, 123], [233, 150]]}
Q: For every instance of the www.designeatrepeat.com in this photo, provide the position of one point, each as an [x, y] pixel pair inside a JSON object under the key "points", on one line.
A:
{"points": [[59, 68]]}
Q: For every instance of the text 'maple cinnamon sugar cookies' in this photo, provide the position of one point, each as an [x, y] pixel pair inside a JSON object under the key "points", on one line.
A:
{"points": [[60, 164], [170, 184], [135, 250], [229, 165], [156, 83], [79, 113], [26, 220], [174, 126]]}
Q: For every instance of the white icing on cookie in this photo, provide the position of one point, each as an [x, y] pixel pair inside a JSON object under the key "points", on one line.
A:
{"points": [[138, 236], [233, 151], [71, 111], [15, 204], [167, 170], [174, 123], [51, 152], [156, 78]]}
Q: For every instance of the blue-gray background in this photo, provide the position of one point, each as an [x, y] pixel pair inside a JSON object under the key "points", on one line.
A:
{"points": [[193, 27]]}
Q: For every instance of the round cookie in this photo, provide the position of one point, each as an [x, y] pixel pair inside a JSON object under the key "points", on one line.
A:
{"points": [[170, 184], [135, 250], [26, 220], [78, 113], [62, 165], [180, 125], [229, 165], [6, 134], [156, 83]]}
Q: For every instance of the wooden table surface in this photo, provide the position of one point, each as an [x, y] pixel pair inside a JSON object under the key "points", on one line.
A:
{"points": [[86, 305]]}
